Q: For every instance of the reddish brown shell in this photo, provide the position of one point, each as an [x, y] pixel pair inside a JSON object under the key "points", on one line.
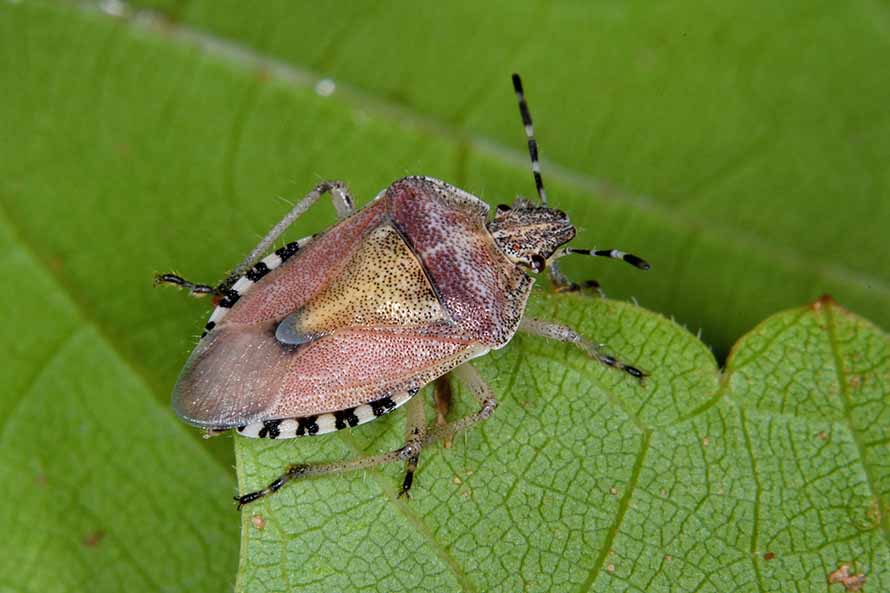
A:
{"points": [[385, 301]]}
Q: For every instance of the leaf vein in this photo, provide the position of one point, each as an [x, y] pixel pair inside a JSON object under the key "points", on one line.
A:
{"points": [[870, 474], [623, 506]]}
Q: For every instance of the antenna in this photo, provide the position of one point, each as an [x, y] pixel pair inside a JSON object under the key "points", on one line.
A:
{"points": [[530, 133]]}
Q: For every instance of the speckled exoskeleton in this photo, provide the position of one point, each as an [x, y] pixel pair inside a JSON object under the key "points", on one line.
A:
{"points": [[338, 329]]}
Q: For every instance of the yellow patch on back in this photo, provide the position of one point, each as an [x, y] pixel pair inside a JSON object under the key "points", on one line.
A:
{"points": [[383, 284]]}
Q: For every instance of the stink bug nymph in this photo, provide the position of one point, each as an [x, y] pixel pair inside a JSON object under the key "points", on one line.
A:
{"points": [[337, 329]]}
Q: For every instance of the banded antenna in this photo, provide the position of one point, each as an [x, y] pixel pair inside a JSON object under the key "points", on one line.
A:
{"points": [[530, 134]]}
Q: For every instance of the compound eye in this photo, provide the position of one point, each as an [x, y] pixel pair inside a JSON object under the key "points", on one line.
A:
{"points": [[538, 263]]}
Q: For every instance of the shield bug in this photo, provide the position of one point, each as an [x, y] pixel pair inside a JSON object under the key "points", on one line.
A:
{"points": [[337, 329]]}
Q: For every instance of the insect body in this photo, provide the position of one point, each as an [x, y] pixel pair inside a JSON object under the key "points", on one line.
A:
{"points": [[338, 329]]}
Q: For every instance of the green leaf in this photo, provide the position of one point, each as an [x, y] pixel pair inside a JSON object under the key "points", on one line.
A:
{"points": [[765, 479], [757, 138], [97, 496], [742, 147]]}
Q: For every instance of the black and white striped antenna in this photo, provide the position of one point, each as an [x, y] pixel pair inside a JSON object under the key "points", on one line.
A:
{"points": [[530, 133]]}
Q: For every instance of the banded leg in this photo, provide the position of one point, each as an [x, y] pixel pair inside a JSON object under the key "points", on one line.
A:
{"points": [[305, 470], [343, 204], [465, 373], [561, 333], [482, 393], [415, 430]]}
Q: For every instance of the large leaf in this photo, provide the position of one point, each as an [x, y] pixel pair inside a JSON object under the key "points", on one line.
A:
{"points": [[767, 479], [103, 491], [129, 148], [743, 146]]}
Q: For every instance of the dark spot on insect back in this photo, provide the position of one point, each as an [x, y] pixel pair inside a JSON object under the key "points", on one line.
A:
{"points": [[382, 406], [270, 429], [307, 425], [257, 271], [344, 418]]}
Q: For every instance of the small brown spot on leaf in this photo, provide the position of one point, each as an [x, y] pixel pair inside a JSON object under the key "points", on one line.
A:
{"points": [[823, 435], [92, 539], [456, 480], [258, 521], [706, 441], [769, 556], [668, 557], [851, 582], [613, 491], [854, 381], [610, 568]]}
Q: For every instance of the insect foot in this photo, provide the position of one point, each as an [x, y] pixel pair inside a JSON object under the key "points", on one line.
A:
{"points": [[197, 290], [292, 472], [410, 453]]}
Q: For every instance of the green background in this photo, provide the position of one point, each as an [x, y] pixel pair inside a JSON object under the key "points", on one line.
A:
{"points": [[742, 149]]}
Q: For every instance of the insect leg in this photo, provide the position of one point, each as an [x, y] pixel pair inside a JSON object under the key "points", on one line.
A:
{"points": [[442, 394], [588, 285], [482, 392], [561, 333], [415, 442], [304, 470], [343, 203], [418, 436], [415, 429], [560, 281], [409, 452]]}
